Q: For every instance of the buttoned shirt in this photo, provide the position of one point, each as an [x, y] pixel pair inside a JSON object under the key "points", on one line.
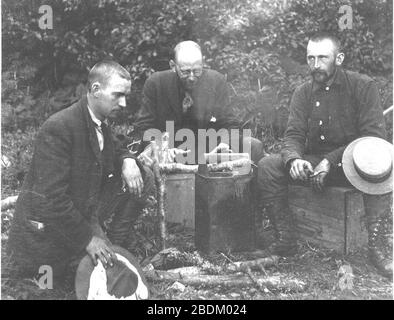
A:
{"points": [[324, 119]]}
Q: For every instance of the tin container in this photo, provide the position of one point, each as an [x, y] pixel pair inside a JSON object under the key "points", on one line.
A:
{"points": [[224, 217]]}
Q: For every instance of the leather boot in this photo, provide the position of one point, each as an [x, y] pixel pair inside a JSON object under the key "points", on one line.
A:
{"points": [[379, 235], [283, 222]]}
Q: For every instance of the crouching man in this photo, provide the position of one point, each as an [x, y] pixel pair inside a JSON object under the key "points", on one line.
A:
{"points": [[75, 183]]}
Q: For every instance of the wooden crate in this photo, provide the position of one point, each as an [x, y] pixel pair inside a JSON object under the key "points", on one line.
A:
{"points": [[180, 200], [334, 219]]}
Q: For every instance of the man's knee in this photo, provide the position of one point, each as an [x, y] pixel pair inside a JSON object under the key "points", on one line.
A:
{"points": [[254, 147], [271, 177], [270, 166]]}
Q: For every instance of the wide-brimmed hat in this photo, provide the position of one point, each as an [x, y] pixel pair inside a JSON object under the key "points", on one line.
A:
{"points": [[124, 281], [368, 165]]}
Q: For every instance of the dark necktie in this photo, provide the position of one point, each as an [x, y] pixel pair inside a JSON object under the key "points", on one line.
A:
{"points": [[101, 129], [187, 102]]}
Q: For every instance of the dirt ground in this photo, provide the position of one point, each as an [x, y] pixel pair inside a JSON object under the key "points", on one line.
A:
{"points": [[319, 269]]}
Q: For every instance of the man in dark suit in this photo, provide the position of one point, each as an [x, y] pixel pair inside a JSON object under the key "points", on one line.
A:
{"points": [[75, 183], [191, 97]]}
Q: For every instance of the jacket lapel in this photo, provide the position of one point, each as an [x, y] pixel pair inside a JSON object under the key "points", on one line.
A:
{"points": [[174, 97], [91, 130]]}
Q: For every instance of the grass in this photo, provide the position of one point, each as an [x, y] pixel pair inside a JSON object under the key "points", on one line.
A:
{"points": [[317, 267]]}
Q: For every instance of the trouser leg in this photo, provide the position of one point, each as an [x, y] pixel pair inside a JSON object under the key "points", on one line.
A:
{"points": [[273, 180], [118, 210], [273, 186], [379, 219]]}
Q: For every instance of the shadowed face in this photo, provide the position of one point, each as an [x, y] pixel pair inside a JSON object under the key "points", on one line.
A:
{"points": [[110, 98], [321, 58]]}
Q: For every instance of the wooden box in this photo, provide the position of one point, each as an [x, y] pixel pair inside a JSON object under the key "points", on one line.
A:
{"points": [[180, 200], [334, 219]]}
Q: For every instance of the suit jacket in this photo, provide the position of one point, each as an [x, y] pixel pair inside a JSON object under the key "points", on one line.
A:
{"points": [[62, 188], [162, 101]]}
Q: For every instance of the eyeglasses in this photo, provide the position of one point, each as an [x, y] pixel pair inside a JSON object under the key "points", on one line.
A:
{"points": [[188, 72]]}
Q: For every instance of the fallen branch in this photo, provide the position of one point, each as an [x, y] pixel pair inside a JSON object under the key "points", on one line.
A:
{"points": [[213, 167], [255, 281], [273, 283], [178, 167], [258, 264], [161, 190], [8, 203], [245, 267], [228, 165]]}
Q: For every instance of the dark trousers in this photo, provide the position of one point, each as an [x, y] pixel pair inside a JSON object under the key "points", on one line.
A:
{"points": [[273, 180], [118, 209]]}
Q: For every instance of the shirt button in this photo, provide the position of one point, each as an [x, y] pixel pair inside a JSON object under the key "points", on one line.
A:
{"points": [[322, 137], [327, 88], [320, 123], [317, 103]]}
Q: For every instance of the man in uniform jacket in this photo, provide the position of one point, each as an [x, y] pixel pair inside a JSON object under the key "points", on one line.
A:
{"points": [[327, 113], [75, 183]]}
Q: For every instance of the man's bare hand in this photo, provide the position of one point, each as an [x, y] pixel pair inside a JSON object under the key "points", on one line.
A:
{"points": [[99, 248], [132, 177], [320, 173], [300, 169]]}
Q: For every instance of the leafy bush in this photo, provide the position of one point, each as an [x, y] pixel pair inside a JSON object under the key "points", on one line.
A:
{"points": [[259, 45], [17, 148]]}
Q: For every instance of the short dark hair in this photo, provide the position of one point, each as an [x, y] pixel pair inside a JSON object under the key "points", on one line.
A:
{"points": [[323, 35], [104, 70]]}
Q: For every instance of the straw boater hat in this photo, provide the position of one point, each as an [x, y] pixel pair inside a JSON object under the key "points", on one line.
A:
{"points": [[123, 281], [368, 165]]}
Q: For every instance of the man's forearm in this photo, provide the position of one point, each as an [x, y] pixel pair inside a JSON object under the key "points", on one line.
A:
{"points": [[335, 156]]}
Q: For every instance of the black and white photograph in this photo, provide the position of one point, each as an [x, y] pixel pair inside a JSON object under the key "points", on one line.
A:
{"points": [[212, 153]]}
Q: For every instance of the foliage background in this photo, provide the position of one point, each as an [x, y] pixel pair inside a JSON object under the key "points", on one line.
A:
{"points": [[259, 44]]}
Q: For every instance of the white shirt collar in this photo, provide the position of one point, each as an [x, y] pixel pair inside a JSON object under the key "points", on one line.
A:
{"points": [[94, 118]]}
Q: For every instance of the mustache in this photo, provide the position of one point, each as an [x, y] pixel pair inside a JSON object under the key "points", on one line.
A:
{"points": [[314, 72]]}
